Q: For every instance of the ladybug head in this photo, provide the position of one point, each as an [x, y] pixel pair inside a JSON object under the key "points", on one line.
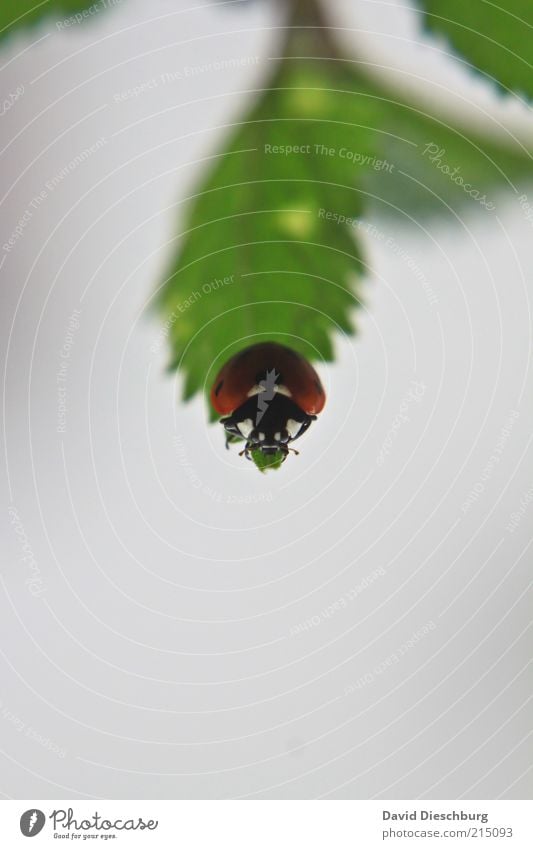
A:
{"points": [[267, 431]]}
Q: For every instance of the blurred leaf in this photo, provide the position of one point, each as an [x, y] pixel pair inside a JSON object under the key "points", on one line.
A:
{"points": [[19, 14], [497, 39], [438, 165]]}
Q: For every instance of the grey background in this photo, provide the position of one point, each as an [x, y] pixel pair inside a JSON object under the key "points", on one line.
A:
{"points": [[156, 656]]}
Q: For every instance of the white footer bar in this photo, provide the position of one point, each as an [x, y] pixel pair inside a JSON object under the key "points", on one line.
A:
{"points": [[267, 824]]}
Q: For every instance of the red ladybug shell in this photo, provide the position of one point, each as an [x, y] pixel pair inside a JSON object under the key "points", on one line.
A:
{"points": [[242, 372]]}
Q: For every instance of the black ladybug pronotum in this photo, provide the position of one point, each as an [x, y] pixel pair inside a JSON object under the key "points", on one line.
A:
{"points": [[268, 395]]}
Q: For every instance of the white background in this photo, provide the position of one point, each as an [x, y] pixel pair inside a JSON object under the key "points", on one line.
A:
{"points": [[158, 658]]}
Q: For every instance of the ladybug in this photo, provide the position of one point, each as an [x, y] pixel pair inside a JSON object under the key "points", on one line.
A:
{"points": [[268, 395]]}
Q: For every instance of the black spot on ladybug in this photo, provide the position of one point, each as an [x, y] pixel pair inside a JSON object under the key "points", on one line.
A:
{"points": [[219, 387], [319, 386]]}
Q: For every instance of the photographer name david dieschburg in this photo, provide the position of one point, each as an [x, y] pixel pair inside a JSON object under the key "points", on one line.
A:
{"points": [[65, 819], [435, 815]]}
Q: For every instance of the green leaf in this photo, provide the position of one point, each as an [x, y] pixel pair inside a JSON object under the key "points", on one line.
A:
{"points": [[496, 38], [267, 252], [270, 248], [266, 462], [22, 13]]}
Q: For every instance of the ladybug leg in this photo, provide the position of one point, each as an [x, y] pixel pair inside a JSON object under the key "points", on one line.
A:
{"points": [[231, 430], [245, 451]]}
